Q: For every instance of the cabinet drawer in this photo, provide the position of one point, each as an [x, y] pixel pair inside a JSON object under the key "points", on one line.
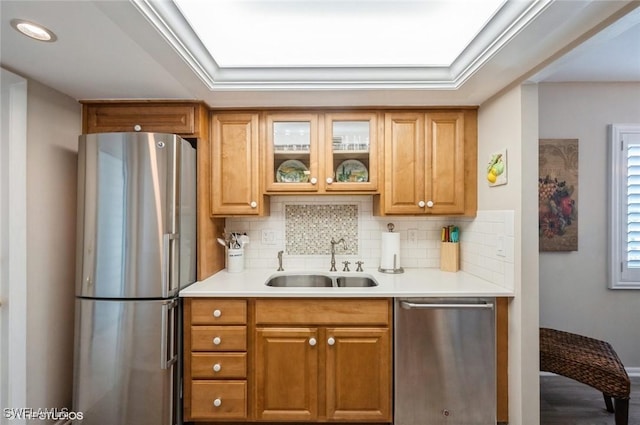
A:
{"points": [[219, 365], [218, 312], [178, 119], [323, 311], [218, 338], [231, 397]]}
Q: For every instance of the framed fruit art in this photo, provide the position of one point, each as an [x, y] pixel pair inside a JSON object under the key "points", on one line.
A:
{"points": [[497, 168], [558, 194]]}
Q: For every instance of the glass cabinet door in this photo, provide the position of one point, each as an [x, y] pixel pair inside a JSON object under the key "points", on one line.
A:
{"points": [[291, 152], [351, 151]]}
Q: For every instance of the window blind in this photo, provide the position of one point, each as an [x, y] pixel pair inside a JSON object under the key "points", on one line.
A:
{"points": [[633, 206]]}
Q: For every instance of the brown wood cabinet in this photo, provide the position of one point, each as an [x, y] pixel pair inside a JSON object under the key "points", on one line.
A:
{"points": [[430, 163], [286, 378], [189, 119], [215, 366], [235, 165], [325, 360], [320, 152], [181, 118], [358, 378]]}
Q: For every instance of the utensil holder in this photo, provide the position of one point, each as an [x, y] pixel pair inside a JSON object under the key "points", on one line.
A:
{"points": [[235, 260], [449, 256]]}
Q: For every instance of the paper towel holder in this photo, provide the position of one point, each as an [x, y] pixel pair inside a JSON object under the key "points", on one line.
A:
{"points": [[395, 269]]}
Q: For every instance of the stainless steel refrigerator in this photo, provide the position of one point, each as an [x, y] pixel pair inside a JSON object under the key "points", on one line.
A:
{"points": [[136, 249]]}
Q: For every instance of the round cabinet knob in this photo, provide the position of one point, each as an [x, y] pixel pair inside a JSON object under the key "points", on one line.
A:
{"points": [[329, 180], [430, 204], [217, 367], [253, 204], [313, 180], [137, 127], [421, 204], [217, 340], [312, 342], [331, 341], [217, 313], [217, 402]]}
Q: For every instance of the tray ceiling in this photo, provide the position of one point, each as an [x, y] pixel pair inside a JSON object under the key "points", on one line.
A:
{"points": [[148, 49]]}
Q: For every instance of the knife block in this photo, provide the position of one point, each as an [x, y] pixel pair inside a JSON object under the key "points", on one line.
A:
{"points": [[449, 256]]}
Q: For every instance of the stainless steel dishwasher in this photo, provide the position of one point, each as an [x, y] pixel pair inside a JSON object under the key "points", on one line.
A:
{"points": [[445, 361]]}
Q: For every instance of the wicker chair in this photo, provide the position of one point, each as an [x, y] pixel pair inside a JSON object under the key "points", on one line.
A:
{"points": [[590, 361]]}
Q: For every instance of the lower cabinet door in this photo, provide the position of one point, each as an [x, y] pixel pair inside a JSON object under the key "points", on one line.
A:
{"points": [[219, 399], [286, 374], [358, 374]]}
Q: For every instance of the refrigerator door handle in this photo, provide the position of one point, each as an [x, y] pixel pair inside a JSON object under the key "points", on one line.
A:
{"points": [[167, 264], [168, 354]]}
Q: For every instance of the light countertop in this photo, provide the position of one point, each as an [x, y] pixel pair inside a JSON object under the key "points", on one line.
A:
{"points": [[416, 282]]}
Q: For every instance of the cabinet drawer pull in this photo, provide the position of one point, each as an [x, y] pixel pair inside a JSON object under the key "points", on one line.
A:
{"points": [[312, 342], [329, 180], [421, 204], [217, 402], [331, 341], [217, 313], [313, 180], [430, 204], [217, 340], [217, 367], [253, 204]]}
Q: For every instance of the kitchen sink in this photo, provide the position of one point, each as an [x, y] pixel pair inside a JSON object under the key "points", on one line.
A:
{"points": [[355, 282], [301, 280]]}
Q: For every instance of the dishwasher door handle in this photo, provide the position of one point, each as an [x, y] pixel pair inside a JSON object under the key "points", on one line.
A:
{"points": [[409, 305]]}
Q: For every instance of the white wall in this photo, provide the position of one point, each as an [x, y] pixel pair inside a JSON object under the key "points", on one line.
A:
{"points": [[573, 285], [13, 242], [53, 126], [510, 121]]}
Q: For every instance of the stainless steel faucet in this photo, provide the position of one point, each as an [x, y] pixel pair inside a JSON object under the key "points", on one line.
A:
{"points": [[333, 252], [280, 269]]}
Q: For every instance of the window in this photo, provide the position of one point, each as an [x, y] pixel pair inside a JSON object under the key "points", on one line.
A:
{"points": [[624, 202]]}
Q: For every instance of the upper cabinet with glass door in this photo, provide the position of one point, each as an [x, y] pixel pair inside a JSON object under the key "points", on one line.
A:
{"points": [[302, 155], [350, 160], [291, 152]]}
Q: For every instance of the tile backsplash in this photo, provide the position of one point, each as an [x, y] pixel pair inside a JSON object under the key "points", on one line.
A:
{"points": [[302, 227], [308, 227]]}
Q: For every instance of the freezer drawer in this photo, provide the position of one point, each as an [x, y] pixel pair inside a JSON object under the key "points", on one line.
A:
{"points": [[126, 362], [445, 367]]}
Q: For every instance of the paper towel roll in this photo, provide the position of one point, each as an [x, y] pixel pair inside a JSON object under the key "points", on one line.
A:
{"points": [[390, 246]]}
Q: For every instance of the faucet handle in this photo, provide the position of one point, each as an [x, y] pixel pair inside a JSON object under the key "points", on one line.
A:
{"points": [[359, 263], [346, 266]]}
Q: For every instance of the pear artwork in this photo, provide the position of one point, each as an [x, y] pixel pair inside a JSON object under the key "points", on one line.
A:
{"points": [[495, 168]]}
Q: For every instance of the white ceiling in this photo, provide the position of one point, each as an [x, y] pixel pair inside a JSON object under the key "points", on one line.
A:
{"points": [[110, 50]]}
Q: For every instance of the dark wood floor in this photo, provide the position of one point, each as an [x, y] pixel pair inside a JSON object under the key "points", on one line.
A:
{"points": [[567, 402]]}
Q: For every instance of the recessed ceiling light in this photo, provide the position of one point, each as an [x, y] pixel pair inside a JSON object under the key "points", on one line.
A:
{"points": [[33, 30]]}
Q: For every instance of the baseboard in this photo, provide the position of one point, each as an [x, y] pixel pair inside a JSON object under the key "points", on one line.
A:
{"points": [[631, 371]]}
